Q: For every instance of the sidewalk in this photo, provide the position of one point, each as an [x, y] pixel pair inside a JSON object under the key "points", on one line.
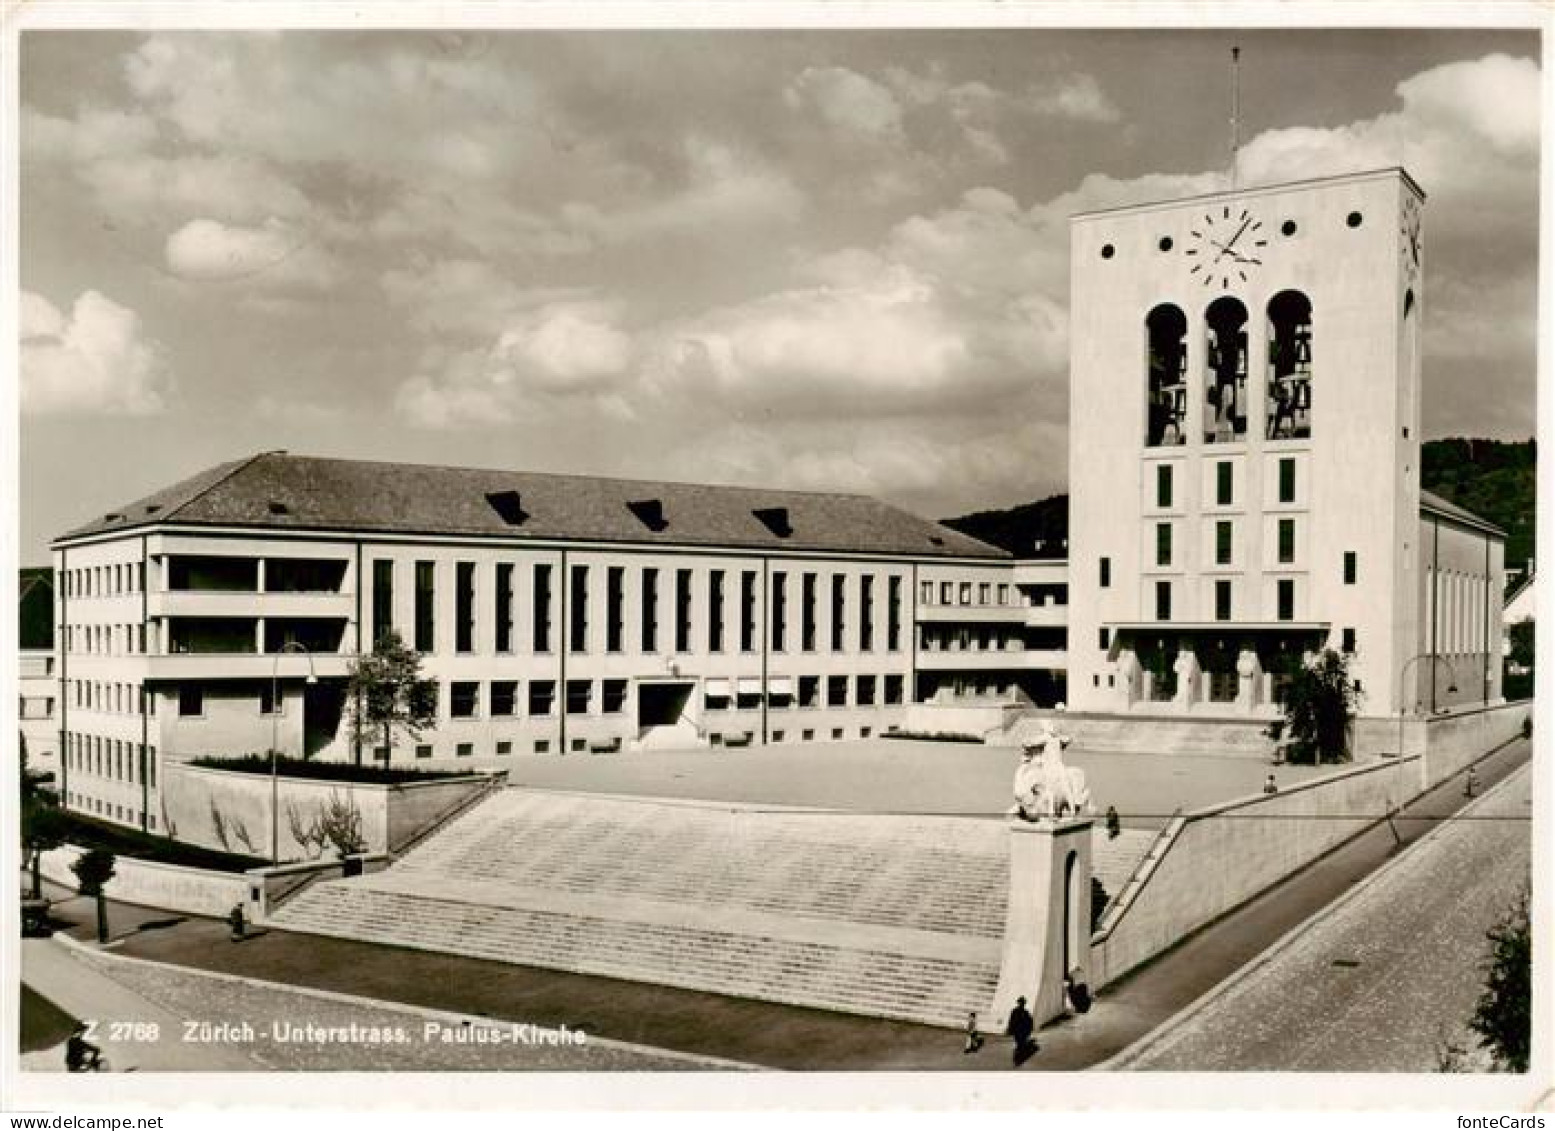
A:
{"points": [[780, 1036]]}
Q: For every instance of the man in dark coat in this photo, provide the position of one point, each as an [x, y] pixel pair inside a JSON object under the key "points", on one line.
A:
{"points": [[1020, 1027]]}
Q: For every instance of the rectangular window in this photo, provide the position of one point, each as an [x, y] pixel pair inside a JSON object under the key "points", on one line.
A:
{"points": [[542, 608], [1222, 600], [426, 583], [1223, 494], [579, 694], [504, 697], [462, 699], [984, 593], [464, 606], [650, 610], [1287, 599], [748, 611], [779, 612], [807, 613], [268, 703], [1287, 481], [809, 690], [615, 597], [926, 592], [464, 749], [578, 610], [866, 691], [947, 593], [1287, 540], [383, 599], [1106, 573], [191, 699], [893, 613], [1223, 543], [1004, 594], [504, 747], [715, 610], [1163, 485], [966, 593], [1163, 600], [683, 610], [866, 613], [424, 750], [1349, 567], [503, 635], [836, 691], [1163, 543], [893, 689], [542, 697], [613, 696], [1348, 637], [1104, 639], [839, 610]]}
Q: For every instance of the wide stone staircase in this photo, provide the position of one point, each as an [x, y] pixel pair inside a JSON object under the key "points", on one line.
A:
{"points": [[892, 916], [1153, 734]]}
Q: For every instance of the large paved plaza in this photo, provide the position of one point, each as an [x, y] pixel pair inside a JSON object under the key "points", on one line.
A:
{"points": [[905, 776]]}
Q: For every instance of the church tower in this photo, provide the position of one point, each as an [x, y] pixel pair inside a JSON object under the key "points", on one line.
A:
{"points": [[1244, 444]]}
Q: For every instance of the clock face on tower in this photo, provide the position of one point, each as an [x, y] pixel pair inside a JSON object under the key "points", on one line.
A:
{"points": [[1409, 239], [1224, 246]]}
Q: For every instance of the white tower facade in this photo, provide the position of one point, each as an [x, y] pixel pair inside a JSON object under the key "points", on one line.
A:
{"points": [[1245, 436]]}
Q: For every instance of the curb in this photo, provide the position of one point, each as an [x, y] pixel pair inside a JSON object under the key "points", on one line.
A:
{"points": [[446, 1016], [1120, 1061]]}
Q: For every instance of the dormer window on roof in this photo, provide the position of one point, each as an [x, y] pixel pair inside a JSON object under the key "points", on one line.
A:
{"points": [[650, 512], [509, 506], [775, 519]]}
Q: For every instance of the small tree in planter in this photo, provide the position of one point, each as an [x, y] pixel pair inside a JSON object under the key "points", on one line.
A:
{"points": [[340, 823], [93, 869], [385, 692], [1319, 706]]}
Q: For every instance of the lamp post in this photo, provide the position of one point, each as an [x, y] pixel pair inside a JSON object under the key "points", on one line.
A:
{"points": [[1452, 687], [275, 740]]}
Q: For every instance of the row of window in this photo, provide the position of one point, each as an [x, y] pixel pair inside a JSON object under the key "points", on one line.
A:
{"points": [[110, 758], [504, 747], [101, 808], [960, 593], [1285, 600], [970, 638], [1287, 403], [1459, 612], [104, 580], [1225, 483], [729, 598], [110, 698], [1224, 538], [106, 639]]}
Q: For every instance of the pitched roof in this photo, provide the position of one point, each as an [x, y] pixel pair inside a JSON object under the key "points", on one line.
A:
{"points": [[278, 491], [1433, 502]]}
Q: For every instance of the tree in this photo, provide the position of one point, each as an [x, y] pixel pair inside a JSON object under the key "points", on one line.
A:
{"points": [[43, 824], [385, 692], [1319, 706], [1503, 1017], [93, 869]]}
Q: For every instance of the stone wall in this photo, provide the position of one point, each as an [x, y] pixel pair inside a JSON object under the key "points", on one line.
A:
{"points": [[977, 719], [1225, 855], [1453, 741], [192, 891]]}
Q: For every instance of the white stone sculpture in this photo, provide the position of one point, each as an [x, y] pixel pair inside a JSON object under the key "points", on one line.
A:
{"points": [[1045, 788]]}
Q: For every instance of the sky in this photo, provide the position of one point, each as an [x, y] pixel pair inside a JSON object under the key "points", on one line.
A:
{"points": [[818, 259]]}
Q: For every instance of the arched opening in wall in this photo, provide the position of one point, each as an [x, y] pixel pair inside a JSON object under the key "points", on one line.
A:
{"points": [[1225, 378], [1289, 399], [1166, 329]]}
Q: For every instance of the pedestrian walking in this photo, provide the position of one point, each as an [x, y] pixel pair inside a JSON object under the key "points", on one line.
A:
{"points": [[1270, 786], [236, 922], [1078, 993], [974, 1039], [1114, 824], [1471, 783], [1020, 1027]]}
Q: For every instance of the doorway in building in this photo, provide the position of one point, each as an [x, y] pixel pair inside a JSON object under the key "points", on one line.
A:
{"points": [[663, 706]]}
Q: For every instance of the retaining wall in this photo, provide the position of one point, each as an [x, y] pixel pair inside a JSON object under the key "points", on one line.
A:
{"points": [[1225, 855], [193, 891], [231, 811]]}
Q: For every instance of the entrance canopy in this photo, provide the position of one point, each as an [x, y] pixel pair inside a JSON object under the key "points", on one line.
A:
{"points": [[1219, 633]]}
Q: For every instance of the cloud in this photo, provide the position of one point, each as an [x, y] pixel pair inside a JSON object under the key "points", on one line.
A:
{"points": [[96, 360], [273, 255], [848, 102], [556, 352], [465, 297]]}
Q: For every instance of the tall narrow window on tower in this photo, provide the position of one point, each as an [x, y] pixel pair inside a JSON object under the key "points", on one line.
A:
{"points": [[1225, 378], [1166, 330], [1288, 411], [425, 583], [383, 598]]}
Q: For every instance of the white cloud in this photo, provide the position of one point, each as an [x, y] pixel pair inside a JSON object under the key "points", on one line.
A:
{"points": [[96, 360], [274, 255], [848, 102], [465, 296]]}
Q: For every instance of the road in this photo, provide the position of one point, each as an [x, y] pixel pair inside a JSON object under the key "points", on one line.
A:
{"points": [[1385, 980]]}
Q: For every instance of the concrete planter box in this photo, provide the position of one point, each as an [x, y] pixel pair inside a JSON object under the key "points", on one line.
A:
{"points": [[193, 891]]}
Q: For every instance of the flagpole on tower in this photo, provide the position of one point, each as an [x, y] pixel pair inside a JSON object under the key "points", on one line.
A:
{"points": [[1236, 100]]}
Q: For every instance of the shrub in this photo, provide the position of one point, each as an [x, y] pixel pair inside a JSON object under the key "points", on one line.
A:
{"points": [[325, 771], [1503, 1017]]}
